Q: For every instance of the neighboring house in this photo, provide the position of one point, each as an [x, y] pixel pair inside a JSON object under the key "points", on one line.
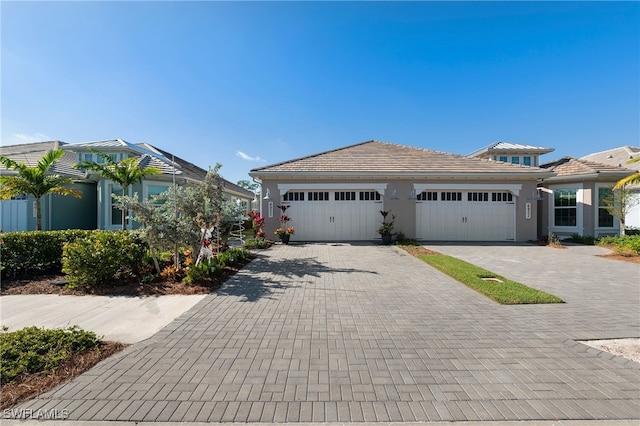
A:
{"points": [[513, 153], [619, 157], [96, 209], [573, 199], [338, 194]]}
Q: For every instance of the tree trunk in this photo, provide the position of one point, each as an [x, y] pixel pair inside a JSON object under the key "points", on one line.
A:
{"points": [[38, 215], [124, 213]]}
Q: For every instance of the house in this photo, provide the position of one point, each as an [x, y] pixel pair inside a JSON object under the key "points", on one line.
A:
{"points": [[338, 195], [573, 199], [514, 153], [619, 157], [96, 209]]}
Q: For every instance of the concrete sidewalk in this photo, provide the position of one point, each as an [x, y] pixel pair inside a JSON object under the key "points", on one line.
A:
{"points": [[340, 333], [122, 319]]}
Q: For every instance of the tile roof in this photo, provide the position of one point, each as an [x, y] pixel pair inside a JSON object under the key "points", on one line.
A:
{"points": [[31, 153], [568, 166], [383, 158], [505, 147], [148, 156], [617, 157]]}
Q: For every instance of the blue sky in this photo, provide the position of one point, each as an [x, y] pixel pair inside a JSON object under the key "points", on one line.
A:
{"points": [[250, 84]]}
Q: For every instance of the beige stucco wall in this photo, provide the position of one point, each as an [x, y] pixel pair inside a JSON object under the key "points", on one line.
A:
{"points": [[405, 208]]}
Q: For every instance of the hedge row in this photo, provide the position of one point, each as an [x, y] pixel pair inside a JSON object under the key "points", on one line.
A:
{"points": [[35, 252]]}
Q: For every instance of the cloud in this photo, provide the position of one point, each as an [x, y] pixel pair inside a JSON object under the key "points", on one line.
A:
{"points": [[36, 137], [249, 158]]}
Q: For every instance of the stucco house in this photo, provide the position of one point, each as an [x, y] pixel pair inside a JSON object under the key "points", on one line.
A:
{"points": [[619, 157], [573, 198], [96, 209], [337, 195]]}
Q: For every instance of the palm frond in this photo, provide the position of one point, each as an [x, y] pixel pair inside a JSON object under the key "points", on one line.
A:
{"points": [[629, 180]]}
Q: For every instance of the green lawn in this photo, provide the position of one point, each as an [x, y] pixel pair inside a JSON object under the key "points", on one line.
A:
{"points": [[506, 292]]}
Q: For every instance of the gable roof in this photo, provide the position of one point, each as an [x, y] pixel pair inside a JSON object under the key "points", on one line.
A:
{"points": [[509, 147], [376, 158], [617, 157], [569, 167]]}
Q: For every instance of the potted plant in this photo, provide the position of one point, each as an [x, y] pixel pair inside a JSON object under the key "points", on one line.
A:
{"points": [[284, 232], [386, 229]]}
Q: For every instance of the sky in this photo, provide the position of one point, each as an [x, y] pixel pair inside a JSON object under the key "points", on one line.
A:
{"points": [[247, 84]]}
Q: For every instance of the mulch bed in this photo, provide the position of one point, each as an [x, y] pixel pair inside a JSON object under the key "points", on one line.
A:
{"points": [[419, 250], [32, 385], [54, 284]]}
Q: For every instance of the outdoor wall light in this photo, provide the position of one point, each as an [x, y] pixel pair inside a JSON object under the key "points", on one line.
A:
{"points": [[268, 195], [394, 195], [412, 194]]}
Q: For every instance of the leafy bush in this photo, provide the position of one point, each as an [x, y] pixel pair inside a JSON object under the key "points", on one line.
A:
{"points": [[582, 239], [627, 244], [202, 271], [257, 243], [34, 350], [101, 257], [35, 252]]}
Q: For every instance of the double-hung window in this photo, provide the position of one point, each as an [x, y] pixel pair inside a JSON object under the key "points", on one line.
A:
{"points": [[565, 207], [605, 199]]}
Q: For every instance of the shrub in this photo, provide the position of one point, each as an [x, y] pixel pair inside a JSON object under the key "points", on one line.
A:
{"points": [[101, 257], [257, 243], [34, 350], [623, 244], [35, 252], [201, 272], [582, 239]]}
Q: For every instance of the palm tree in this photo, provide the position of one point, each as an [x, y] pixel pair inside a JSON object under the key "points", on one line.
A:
{"points": [[35, 181], [629, 180], [124, 172]]}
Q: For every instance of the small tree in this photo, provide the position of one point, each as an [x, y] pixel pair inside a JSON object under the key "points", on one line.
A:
{"points": [[634, 179], [250, 186], [125, 172], [618, 202], [35, 181]]}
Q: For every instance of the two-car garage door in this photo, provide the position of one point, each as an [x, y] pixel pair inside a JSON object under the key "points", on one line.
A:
{"points": [[465, 216]]}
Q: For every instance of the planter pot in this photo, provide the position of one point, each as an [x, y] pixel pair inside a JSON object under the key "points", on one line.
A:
{"points": [[285, 238], [386, 239]]}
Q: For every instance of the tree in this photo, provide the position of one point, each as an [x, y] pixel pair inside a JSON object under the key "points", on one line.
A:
{"points": [[35, 181], [248, 185], [125, 172], [618, 202], [177, 217]]}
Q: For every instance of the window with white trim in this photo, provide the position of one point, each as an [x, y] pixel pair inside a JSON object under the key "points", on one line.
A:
{"points": [[605, 197], [369, 196], [427, 196], [115, 212], [515, 160], [451, 196], [318, 196], [345, 195], [502, 196], [504, 158], [293, 196], [526, 160], [565, 207], [477, 196]]}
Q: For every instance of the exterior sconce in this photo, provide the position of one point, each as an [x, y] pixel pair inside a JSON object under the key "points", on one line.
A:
{"points": [[394, 195], [412, 194], [538, 195], [267, 195]]}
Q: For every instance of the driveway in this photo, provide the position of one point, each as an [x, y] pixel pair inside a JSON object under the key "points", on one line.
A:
{"points": [[362, 333]]}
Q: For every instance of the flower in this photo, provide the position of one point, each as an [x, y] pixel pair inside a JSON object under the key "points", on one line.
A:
{"points": [[290, 230]]}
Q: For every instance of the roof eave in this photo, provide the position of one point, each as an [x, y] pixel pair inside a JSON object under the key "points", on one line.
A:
{"points": [[360, 175]]}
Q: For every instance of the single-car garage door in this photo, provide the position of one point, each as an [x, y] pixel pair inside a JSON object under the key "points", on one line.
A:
{"points": [[465, 216], [334, 215]]}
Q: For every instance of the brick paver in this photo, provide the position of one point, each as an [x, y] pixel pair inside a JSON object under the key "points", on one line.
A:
{"points": [[341, 332]]}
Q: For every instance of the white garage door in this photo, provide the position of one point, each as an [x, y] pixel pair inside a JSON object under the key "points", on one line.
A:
{"points": [[334, 215], [466, 216]]}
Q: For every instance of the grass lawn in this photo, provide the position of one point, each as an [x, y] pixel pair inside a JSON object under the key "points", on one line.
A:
{"points": [[504, 291]]}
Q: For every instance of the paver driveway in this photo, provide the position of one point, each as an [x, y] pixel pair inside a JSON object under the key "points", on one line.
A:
{"points": [[339, 332]]}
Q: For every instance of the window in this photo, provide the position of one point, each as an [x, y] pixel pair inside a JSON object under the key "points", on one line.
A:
{"points": [[428, 196], [345, 195], [605, 219], [451, 196], [116, 213], [293, 196], [369, 196], [502, 196], [565, 207], [318, 196], [87, 156], [477, 196], [515, 160], [503, 158], [526, 160], [154, 190]]}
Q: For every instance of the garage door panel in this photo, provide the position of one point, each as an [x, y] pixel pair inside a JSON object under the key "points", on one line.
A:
{"points": [[476, 216]]}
